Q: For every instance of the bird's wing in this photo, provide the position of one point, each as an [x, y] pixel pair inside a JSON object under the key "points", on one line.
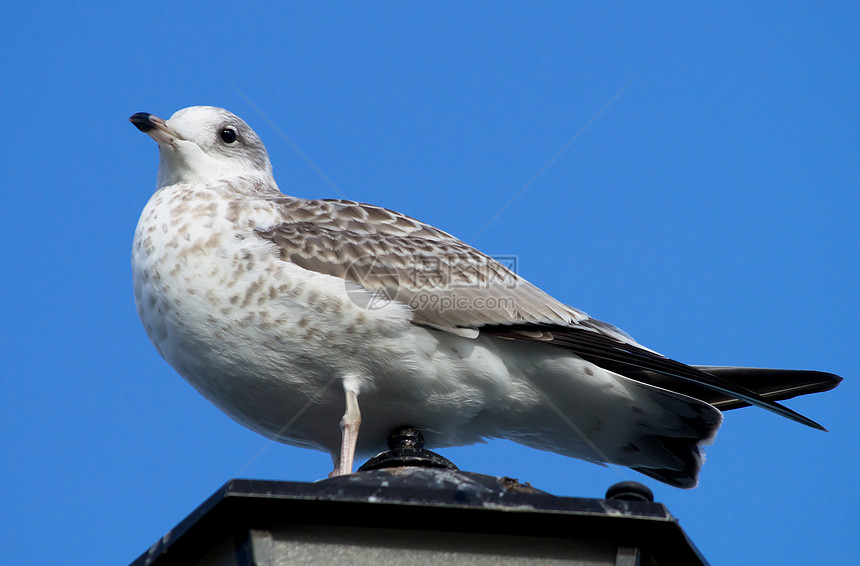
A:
{"points": [[774, 384], [446, 283], [450, 286], [705, 383]]}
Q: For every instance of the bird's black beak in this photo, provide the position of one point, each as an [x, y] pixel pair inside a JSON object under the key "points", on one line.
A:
{"points": [[142, 121], [154, 127]]}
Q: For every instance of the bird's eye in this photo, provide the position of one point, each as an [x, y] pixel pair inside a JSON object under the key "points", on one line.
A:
{"points": [[228, 135]]}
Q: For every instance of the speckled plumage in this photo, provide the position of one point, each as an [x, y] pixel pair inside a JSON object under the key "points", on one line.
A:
{"points": [[286, 313]]}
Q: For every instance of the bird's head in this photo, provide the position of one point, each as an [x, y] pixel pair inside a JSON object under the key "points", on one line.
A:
{"points": [[201, 144]]}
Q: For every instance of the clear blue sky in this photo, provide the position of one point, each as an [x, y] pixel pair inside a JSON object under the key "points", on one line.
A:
{"points": [[711, 212]]}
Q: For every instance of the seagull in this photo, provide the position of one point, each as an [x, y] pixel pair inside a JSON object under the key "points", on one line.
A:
{"points": [[288, 314]]}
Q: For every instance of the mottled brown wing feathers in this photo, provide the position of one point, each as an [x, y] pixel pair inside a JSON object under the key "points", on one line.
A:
{"points": [[445, 282]]}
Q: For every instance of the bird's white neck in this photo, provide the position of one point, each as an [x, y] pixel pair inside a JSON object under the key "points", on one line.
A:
{"points": [[184, 162]]}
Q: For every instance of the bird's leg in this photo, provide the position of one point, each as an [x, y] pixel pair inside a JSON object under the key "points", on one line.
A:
{"points": [[349, 426]]}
